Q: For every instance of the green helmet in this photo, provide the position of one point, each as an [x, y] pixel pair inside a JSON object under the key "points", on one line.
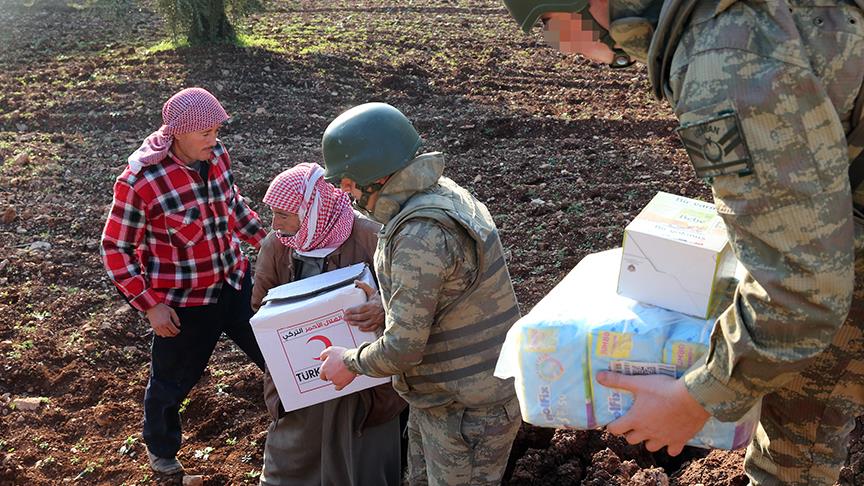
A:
{"points": [[526, 12], [368, 142]]}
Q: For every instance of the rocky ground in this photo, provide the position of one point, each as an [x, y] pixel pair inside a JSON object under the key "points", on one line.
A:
{"points": [[563, 151]]}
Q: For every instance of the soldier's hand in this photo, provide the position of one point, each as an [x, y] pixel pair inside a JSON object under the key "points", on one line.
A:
{"points": [[367, 317], [163, 320], [333, 369], [663, 413]]}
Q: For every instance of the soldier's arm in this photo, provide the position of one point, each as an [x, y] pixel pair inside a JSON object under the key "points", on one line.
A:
{"points": [[798, 252], [421, 260]]}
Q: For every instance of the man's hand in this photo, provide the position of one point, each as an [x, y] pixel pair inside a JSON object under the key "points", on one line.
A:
{"points": [[333, 369], [367, 317], [663, 412], [163, 320]]}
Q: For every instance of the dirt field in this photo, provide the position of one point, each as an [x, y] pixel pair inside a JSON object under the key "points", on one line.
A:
{"points": [[564, 153]]}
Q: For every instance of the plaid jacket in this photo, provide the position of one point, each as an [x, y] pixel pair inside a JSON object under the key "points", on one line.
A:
{"points": [[172, 238]]}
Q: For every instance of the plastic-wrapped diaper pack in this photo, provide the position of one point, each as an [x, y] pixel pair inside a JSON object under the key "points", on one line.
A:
{"points": [[582, 327]]}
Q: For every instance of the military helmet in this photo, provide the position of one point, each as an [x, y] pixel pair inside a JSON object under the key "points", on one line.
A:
{"points": [[526, 12], [368, 142]]}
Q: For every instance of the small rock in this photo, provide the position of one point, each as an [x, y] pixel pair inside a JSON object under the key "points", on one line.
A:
{"points": [[9, 215], [28, 404], [21, 127], [478, 178], [193, 480], [260, 110], [226, 72], [40, 246], [3, 264], [123, 310], [334, 93], [650, 477], [267, 68], [545, 166], [102, 419], [27, 214], [90, 347], [130, 349], [130, 335], [538, 202]]}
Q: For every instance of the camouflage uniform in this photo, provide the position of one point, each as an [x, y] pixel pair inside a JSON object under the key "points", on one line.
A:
{"points": [[449, 303], [765, 91]]}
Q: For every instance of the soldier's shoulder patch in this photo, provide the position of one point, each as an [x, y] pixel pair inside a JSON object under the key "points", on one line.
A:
{"points": [[716, 145]]}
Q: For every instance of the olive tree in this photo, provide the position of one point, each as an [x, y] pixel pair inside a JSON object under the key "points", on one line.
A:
{"points": [[205, 21]]}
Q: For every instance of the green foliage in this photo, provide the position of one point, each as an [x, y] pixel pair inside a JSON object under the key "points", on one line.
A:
{"points": [[205, 21], [183, 405]]}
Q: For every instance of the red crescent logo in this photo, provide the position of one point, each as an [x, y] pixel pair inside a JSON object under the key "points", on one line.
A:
{"points": [[323, 339]]}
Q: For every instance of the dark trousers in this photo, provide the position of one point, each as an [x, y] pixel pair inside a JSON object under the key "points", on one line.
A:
{"points": [[178, 362]]}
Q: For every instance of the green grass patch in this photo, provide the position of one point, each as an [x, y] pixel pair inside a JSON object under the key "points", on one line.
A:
{"points": [[167, 45], [261, 42]]}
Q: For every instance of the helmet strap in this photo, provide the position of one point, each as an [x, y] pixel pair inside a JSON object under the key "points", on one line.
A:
{"points": [[621, 59], [367, 191]]}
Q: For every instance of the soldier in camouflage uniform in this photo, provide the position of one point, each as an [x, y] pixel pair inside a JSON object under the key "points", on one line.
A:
{"points": [[447, 296], [765, 91]]}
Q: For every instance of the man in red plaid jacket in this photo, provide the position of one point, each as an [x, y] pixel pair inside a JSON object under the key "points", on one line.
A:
{"points": [[172, 247]]}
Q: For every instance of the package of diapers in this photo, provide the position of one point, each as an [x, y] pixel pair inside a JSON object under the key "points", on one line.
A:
{"points": [[582, 327]]}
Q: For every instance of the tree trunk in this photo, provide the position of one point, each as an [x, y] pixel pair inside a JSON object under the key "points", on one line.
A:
{"points": [[211, 25]]}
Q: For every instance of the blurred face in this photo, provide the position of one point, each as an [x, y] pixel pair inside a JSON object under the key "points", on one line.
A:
{"points": [[570, 33], [193, 146], [284, 222]]}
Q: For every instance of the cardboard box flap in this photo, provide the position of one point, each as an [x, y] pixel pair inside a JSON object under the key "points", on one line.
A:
{"points": [[319, 284], [677, 218]]}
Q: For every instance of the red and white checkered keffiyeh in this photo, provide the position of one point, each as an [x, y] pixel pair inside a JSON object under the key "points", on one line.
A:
{"points": [[325, 213], [190, 110]]}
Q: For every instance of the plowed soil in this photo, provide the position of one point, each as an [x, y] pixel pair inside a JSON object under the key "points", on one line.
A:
{"points": [[563, 151]]}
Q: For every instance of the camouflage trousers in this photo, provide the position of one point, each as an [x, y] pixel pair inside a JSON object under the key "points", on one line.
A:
{"points": [[804, 429], [780, 78], [453, 445]]}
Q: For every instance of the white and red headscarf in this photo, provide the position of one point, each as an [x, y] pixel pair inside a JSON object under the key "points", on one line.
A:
{"points": [[325, 213], [190, 110]]}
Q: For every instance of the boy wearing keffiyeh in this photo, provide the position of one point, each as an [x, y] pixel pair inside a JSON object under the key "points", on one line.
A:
{"points": [[171, 245], [350, 440]]}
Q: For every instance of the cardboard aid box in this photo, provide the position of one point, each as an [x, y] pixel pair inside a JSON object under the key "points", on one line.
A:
{"points": [[677, 256], [300, 319]]}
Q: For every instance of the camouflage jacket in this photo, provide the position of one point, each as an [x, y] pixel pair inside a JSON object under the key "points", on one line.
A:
{"points": [[446, 291], [750, 63], [650, 30]]}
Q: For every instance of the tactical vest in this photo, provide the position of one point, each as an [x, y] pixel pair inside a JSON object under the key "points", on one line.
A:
{"points": [[467, 334]]}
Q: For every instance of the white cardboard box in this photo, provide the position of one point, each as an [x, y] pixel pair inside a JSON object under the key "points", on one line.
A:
{"points": [[677, 256], [298, 320]]}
